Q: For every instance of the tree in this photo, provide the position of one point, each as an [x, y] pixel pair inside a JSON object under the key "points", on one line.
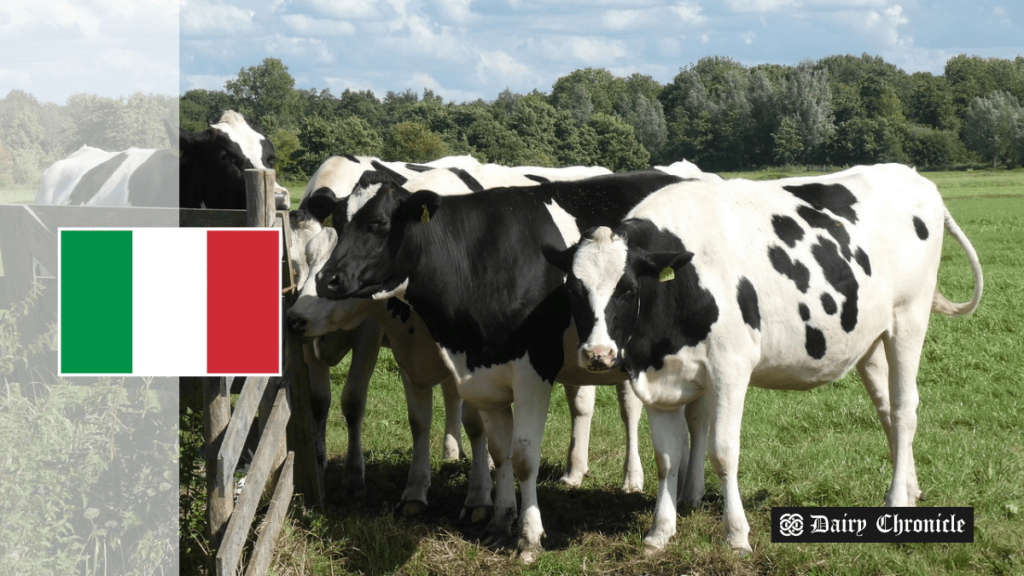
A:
{"points": [[321, 138], [198, 106], [994, 128], [587, 91], [266, 91], [617, 146], [411, 142]]}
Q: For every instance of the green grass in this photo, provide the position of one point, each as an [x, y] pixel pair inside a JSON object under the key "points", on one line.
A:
{"points": [[818, 448], [17, 195]]}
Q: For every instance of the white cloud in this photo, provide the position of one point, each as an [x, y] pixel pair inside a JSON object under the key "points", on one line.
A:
{"points": [[303, 25], [689, 13], [457, 10], [202, 18], [339, 9], [287, 47], [760, 6], [497, 67], [1000, 13], [206, 81], [622, 19], [588, 50], [748, 37], [884, 26]]}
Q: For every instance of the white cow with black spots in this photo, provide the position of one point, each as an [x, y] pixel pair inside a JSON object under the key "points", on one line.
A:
{"points": [[709, 288]]}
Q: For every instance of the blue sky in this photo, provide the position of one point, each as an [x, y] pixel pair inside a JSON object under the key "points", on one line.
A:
{"points": [[465, 49]]}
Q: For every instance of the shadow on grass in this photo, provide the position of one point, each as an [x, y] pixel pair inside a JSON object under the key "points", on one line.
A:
{"points": [[385, 541]]}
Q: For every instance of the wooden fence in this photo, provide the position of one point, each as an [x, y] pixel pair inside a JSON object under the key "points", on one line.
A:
{"points": [[284, 460]]}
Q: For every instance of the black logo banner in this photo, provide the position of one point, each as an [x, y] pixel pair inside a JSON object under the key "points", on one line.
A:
{"points": [[873, 525]]}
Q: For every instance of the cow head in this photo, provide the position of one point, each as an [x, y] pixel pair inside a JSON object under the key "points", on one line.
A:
{"points": [[369, 257], [311, 316], [213, 162], [607, 279]]}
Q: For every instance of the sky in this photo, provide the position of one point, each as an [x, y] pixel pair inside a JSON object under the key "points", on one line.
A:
{"points": [[465, 49]]}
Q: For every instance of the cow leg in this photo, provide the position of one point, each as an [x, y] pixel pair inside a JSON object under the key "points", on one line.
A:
{"points": [[724, 451], [498, 426], [452, 418], [478, 501], [630, 409], [532, 399], [353, 403], [691, 485], [668, 433], [903, 349], [419, 402], [581, 407], [319, 402], [874, 373]]}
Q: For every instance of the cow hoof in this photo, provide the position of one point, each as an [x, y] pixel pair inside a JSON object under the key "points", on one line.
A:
{"points": [[630, 488], [476, 515], [650, 550], [571, 481], [529, 554], [452, 451], [411, 508], [742, 551]]}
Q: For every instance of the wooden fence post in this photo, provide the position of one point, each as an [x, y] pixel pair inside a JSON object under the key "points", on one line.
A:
{"points": [[259, 197], [216, 415]]}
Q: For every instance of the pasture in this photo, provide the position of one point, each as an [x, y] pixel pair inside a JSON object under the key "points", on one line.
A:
{"points": [[819, 448]]}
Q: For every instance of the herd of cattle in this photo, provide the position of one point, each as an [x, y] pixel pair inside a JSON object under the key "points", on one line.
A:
{"points": [[679, 287]]}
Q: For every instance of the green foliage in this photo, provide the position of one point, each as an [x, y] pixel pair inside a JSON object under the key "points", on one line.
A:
{"points": [[265, 91], [617, 146], [412, 142], [994, 128], [321, 138], [87, 473]]}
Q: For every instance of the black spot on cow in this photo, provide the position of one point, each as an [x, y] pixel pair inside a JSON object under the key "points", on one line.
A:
{"points": [[746, 296], [835, 198], [792, 269], [840, 276], [94, 179], [153, 182], [834, 228], [538, 179], [399, 310], [319, 410], [418, 167], [412, 331], [472, 183], [805, 312], [372, 177], [395, 176], [862, 258], [350, 158], [920, 228], [787, 230], [815, 343], [828, 303]]}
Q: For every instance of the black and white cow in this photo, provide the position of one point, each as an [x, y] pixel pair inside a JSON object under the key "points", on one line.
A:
{"points": [[421, 369], [213, 162], [472, 267], [209, 172], [708, 288]]}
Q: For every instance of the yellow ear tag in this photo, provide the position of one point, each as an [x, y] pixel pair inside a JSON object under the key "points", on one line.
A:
{"points": [[329, 221], [425, 217], [667, 274]]}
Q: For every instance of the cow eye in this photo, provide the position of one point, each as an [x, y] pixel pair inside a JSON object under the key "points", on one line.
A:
{"points": [[378, 227], [627, 294]]}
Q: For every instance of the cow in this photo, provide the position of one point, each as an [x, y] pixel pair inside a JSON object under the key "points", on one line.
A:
{"points": [[209, 171], [708, 288], [472, 267], [421, 369], [213, 162]]}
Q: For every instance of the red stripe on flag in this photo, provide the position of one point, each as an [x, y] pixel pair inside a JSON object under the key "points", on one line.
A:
{"points": [[243, 335]]}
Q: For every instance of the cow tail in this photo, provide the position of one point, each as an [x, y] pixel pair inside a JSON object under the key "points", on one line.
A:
{"points": [[940, 303]]}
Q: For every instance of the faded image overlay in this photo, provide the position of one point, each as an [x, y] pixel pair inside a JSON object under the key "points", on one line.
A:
{"points": [[88, 138]]}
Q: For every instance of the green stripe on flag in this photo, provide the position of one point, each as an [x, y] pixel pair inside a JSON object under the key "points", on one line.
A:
{"points": [[96, 302]]}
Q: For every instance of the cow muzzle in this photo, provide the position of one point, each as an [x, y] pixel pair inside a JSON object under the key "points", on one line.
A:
{"points": [[598, 357]]}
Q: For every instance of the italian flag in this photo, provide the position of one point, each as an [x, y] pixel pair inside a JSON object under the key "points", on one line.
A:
{"points": [[169, 302]]}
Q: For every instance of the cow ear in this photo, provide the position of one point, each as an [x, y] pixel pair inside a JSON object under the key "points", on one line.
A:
{"points": [[321, 203], [561, 259], [172, 142], [186, 139], [663, 264], [420, 206]]}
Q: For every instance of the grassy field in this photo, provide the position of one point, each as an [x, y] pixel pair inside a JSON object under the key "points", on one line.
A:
{"points": [[820, 448]]}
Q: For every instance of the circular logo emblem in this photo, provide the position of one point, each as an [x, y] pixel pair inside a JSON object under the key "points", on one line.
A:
{"points": [[791, 525]]}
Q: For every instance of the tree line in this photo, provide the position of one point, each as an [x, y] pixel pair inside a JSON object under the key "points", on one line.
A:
{"points": [[717, 113]]}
